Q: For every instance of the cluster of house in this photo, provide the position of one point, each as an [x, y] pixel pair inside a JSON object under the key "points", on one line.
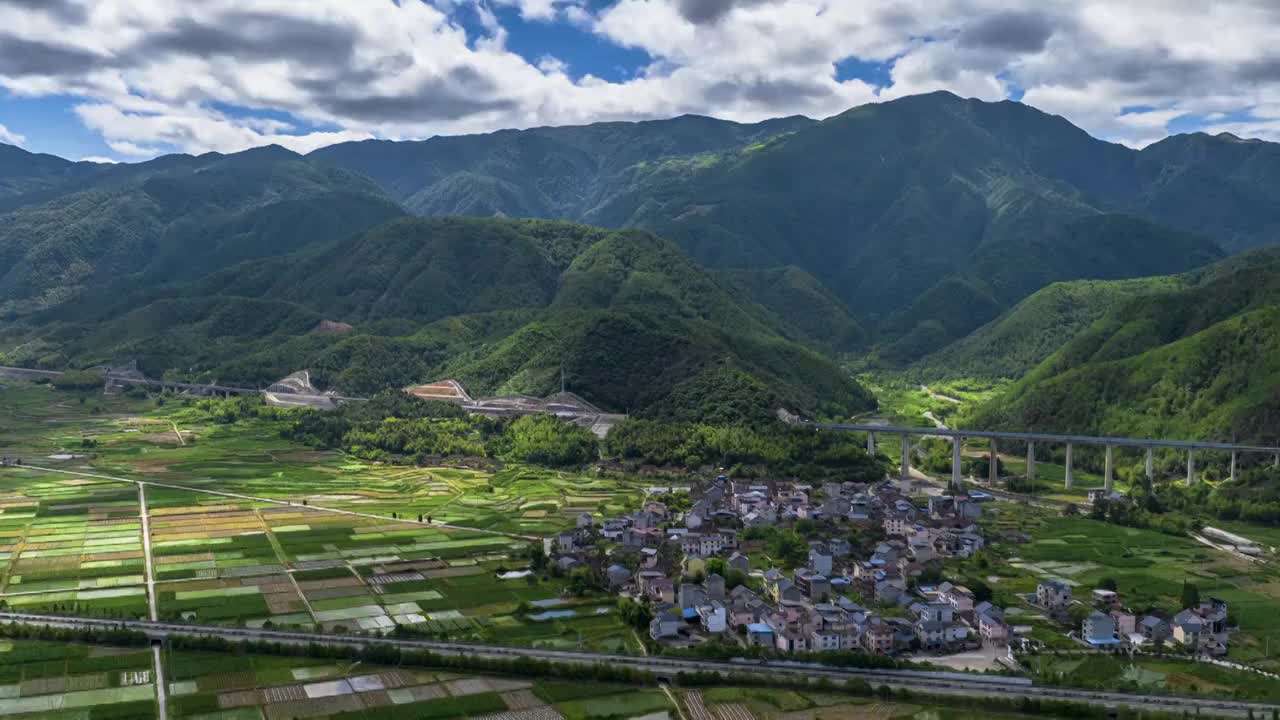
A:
{"points": [[836, 602], [1110, 626]]}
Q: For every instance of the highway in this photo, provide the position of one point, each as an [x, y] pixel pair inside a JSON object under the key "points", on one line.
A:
{"points": [[18, 373], [922, 681]]}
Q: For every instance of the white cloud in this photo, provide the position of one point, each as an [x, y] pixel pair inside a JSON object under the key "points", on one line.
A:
{"points": [[99, 159], [228, 74], [11, 137]]}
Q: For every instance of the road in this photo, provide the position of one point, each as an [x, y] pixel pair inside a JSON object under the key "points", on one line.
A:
{"points": [[274, 501], [18, 373], [157, 663], [934, 683]]}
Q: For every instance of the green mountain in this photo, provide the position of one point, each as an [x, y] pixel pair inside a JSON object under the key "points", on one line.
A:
{"points": [[176, 219], [1190, 357], [799, 304], [504, 306], [25, 174], [550, 172], [1022, 337], [927, 216]]}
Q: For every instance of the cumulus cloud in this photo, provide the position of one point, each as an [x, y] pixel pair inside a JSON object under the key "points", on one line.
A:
{"points": [[10, 137], [98, 159], [229, 74]]}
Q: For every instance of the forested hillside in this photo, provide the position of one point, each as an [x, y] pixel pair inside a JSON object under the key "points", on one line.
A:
{"points": [[512, 306], [892, 231], [1020, 339], [176, 220], [927, 216], [1194, 357]]}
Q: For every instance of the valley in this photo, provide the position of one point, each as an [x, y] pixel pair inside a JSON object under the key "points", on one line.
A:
{"points": [[931, 408]]}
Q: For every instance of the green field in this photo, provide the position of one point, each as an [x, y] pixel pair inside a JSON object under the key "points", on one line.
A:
{"points": [[65, 680], [71, 543], [1149, 569]]}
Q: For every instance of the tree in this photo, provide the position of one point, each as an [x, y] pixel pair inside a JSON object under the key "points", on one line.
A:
{"points": [[1190, 595], [1107, 583], [981, 591]]}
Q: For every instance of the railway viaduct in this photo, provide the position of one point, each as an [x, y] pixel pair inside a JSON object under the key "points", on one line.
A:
{"points": [[957, 438]]}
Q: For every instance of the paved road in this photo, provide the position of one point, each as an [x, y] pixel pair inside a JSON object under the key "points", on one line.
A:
{"points": [[935, 683], [274, 501], [162, 690]]}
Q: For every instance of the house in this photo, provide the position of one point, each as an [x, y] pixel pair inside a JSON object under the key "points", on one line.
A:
{"points": [[691, 596], [991, 625], [1106, 598], [618, 576], [9, 461], [706, 544], [814, 585], [1153, 628], [1053, 595], [840, 547], [786, 591], [791, 639], [820, 558], [1187, 627], [824, 639], [877, 638], [665, 625], [613, 529], [714, 585], [713, 617], [738, 561], [1126, 622], [935, 612], [960, 598], [760, 634], [585, 520], [1099, 630], [895, 525], [568, 562], [662, 590]]}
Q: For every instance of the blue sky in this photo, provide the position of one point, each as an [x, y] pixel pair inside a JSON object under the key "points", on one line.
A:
{"points": [[125, 81]]}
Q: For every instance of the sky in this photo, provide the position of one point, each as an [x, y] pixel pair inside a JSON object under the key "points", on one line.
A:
{"points": [[126, 80]]}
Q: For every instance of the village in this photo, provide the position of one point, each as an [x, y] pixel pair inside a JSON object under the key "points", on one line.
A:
{"points": [[690, 557]]}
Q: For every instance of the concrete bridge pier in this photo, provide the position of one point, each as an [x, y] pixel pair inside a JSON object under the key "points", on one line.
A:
{"points": [[1031, 460], [1107, 474], [1191, 468], [1150, 465], [1233, 466], [871, 443], [1070, 479], [906, 456], [955, 462], [993, 464]]}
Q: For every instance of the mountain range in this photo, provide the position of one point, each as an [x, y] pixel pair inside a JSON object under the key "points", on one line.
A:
{"points": [[691, 258]]}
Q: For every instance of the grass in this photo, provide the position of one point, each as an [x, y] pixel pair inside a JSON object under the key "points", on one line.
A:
{"points": [[617, 705]]}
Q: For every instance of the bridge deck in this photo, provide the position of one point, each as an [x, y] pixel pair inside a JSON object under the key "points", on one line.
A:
{"points": [[1048, 437]]}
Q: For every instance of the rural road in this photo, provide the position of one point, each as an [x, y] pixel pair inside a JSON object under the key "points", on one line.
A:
{"points": [[934, 683]]}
